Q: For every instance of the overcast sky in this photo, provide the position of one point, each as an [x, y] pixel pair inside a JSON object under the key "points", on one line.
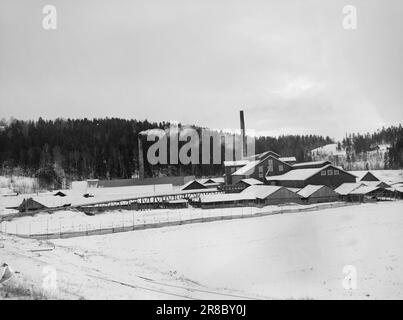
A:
{"points": [[289, 64]]}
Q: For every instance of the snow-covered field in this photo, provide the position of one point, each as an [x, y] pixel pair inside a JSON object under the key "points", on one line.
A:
{"points": [[66, 221], [297, 255]]}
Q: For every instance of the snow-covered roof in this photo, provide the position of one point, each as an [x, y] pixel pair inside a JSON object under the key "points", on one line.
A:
{"points": [[295, 190], [308, 190], [310, 163], [211, 180], [261, 191], [227, 197], [345, 188], [262, 155], [297, 174], [52, 202], [247, 169], [252, 181], [285, 159], [301, 174], [364, 190], [236, 163]]}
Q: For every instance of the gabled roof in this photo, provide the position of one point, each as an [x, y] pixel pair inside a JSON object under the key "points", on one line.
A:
{"points": [[250, 167], [261, 191], [256, 157], [345, 188], [199, 185], [302, 174], [247, 169], [51, 201], [369, 175], [263, 155], [309, 190]]}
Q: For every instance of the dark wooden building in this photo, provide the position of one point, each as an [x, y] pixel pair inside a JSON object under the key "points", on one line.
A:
{"points": [[230, 167], [258, 169], [328, 175]]}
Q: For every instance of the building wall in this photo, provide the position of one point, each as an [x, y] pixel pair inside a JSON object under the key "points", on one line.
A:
{"points": [[282, 196], [330, 179], [323, 195]]}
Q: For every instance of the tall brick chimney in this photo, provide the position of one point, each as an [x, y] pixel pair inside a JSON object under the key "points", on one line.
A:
{"points": [[243, 133]]}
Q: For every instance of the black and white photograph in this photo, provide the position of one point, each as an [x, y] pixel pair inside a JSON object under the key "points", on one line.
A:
{"points": [[180, 150]]}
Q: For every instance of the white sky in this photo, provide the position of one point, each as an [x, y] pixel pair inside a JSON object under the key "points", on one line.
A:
{"points": [[289, 64]]}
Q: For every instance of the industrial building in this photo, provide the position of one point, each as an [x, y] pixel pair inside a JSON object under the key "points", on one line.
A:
{"points": [[317, 193], [328, 175], [272, 195]]}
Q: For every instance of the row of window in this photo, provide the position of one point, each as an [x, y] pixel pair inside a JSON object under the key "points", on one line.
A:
{"points": [[329, 172], [270, 168]]}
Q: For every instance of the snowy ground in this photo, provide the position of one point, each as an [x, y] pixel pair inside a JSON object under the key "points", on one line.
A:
{"points": [[297, 255], [72, 221]]}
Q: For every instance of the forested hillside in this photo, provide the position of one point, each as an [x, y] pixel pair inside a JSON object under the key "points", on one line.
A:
{"points": [[69, 149], [359, 146]]}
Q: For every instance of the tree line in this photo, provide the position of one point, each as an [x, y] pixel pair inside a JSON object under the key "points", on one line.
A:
{"points": [[61, 150]]}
